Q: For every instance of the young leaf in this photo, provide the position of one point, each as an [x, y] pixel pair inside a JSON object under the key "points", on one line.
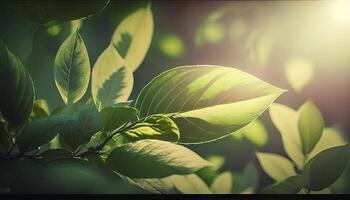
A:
{"points": [[114, 117], [133, 37], [40, 131], [206, 102], [86, 122], [291, 185], [72, 69], [40, 109], [286, 121], [222, 183], [16, 86], [157, 158], [189, 184], [326, 167], [277, 167], [158, 127], [111, 80], [310, 126]]}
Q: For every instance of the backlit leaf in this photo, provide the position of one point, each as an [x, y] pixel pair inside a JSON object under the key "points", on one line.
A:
{"points": [[157, 158]]}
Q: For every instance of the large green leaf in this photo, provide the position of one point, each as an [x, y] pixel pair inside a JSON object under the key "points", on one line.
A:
{"points": [[157, 158], [188, 184], [222, 184], [310, 126], [158, 127], [72, 69], [16, 86], [43, 12], [326, 167], [111, 80], [40, 131], [69, 176], [133, 37], [286, 121], [86, 122], [206, 102], [114, 117], [277, 167], [291, 185]]}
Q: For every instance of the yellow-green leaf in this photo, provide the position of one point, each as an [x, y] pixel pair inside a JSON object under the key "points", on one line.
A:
{"points": [[222, 184], [189, 184], [299, 73], [255, 132]]}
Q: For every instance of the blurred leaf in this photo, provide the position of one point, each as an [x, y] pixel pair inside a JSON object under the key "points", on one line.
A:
{"points": [[325, 168], [157, 158], [111, 80], [222, 183], [238, 29], [277, 167], [40, 109], [171, 45], [210, 32], [54, 30], [115, 117], [86, 122], [216, 160], [16, 86], [310, 126], [72, 69], [43, 12], [259, 44], [255, 132], [133, 37], [189, 184], [206, 102], [331, 137], [299, 73], [40, 131], [286, 121], [291, 185]]}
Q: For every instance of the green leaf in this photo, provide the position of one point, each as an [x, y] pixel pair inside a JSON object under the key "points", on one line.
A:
{"points": [[157, 158], [189, 184], [310, 126], [40, 109], [299, 73], [40, 131], [86, 122], [133, 37], [222, 184], [158, 127], [286, 121], [291, 185], [325, 168], [16, 86], [72, 69], [114, 117], [111, 80], [331, 137], [250, 177], [44, 12], [206, 102], [255, 132], [277, 167]]}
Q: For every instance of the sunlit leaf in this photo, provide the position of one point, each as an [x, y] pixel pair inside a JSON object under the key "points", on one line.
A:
{"points": [[206, 102], [310, 126], [299, 73], [133, 37], [171, 45], [75, 25], [189, 184], [326, 167], [158, 127], [72, 69], [114, 117], [291, 185], [16, 86], [255, 132], [157, 158], [286, 121], [277, 167], [111, 80], [222, 183], [40, 131], [40, 109]]}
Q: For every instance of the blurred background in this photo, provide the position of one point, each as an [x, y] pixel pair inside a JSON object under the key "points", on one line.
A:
{"points": [[301, 46]]}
